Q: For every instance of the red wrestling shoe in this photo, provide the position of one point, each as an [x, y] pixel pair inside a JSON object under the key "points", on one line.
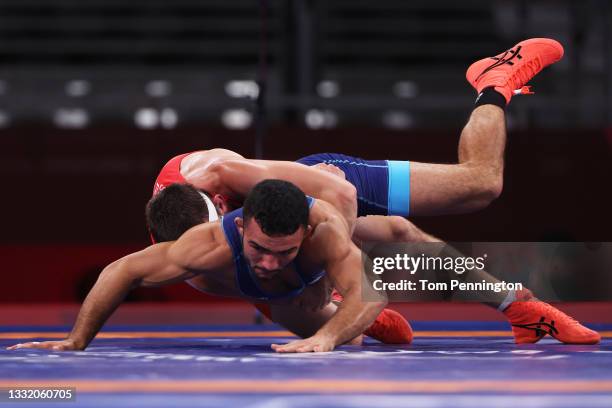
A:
{"points": [[533, 319], [389, 327], [512, 69]]}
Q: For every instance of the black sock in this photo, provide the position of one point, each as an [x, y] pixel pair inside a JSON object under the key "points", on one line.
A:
{"points": [[489, 96]]}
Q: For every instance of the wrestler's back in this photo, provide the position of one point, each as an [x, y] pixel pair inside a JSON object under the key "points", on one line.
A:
{"points": [[198, 162]]}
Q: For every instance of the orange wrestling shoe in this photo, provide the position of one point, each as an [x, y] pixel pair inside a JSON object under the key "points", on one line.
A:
{"points": [[390, 327], [533, 319], [510, 71]]}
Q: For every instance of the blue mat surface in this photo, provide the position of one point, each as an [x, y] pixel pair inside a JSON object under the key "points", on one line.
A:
{"points": [[217, 370]]}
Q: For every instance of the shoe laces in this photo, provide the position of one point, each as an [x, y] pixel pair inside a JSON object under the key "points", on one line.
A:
{"points": [[505, 58]]}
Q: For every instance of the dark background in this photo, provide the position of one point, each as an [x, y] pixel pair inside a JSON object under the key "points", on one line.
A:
{"points": [[95, 96]]}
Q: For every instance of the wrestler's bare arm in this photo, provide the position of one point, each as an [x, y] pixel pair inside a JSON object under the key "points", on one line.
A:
{"points": [[344, 266], [343, 263], [237, 177], [388, 228], [196, 251]]}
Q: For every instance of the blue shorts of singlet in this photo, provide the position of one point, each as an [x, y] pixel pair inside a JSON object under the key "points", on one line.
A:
{"points": [[383, 186]]}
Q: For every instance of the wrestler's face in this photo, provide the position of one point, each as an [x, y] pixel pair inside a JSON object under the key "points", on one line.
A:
{"points": [[268, 255]]}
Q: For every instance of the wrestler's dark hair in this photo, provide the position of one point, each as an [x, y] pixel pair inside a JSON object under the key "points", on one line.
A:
{"points": [[174, 210], [279, 207]]}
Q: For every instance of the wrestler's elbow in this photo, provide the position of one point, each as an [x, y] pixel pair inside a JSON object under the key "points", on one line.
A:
{"points": [[116, 268], [122, 272], [346, 199], [349, 195]]}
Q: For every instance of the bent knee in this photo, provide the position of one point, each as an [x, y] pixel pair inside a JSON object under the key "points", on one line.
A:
{"points": [[490, 190]]}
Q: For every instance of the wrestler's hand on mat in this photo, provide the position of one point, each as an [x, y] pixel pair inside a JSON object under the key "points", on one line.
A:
{"points": [[61, 345], [317, 343], [330, 168]]}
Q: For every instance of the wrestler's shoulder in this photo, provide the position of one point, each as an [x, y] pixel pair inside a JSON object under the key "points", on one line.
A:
{"points": [[203, 241]]}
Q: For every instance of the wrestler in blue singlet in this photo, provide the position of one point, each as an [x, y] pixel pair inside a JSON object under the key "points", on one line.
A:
{"points": [[246, 280], [383, 186]]}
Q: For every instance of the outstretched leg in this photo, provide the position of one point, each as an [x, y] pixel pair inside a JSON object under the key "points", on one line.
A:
{"points": [[472, 183], [477, 178], [531, 318]]}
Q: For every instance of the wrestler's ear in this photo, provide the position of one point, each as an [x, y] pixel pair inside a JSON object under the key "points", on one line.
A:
{"points": [[308, 230], [221, 204], [239, 224]]}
